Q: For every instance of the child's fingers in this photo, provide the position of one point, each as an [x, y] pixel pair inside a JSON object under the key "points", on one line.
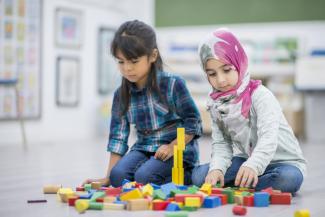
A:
{"points": [[238, 177], [255, 180], [244, 179], [250, 179]]}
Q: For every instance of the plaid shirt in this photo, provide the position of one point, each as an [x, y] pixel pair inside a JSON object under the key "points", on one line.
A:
{"points": [[156, 123]]}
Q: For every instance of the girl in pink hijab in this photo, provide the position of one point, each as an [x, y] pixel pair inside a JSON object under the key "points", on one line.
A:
{"points": [[253, 144]]}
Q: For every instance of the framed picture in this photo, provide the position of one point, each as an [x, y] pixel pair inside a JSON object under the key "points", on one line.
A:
{"points": [[21, 58], [68, 81], [68, 28], [108, 78]]}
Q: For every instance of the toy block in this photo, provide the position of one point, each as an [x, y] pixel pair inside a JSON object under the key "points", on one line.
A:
{"points": [[72, 200], [238, 199], [98, 194], [138, 204], [248, 200], [206, 188], [159, 194], [147, 190], [268, 190], [134, 194], [100, 200], [96, 185], [109, 199], [239, 210], [242, 189], [192, 201], [86, 195], [182, 187], [96, 206], [245, 193], [181, 197], [282, 198], [114, 206], [159, 205], [230, 195], [216, 190], [223, 198], [51, 189], [193, 189], [127, 189], [204, 195], [80, 188], [37, 201], [302, 213], [64, 193], [81, 205], [261, 199], [167, 188], [189, 208], [87, 187], [176, 214], [125, 181], [113, 191], [211, 202], [173, 207], [155, 187]]}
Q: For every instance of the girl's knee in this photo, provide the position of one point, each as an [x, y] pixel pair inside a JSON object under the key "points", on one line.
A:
{"points": [[198, 175], [117, 176], [143, 176]]}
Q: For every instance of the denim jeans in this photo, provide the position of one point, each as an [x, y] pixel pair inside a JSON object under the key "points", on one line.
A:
{"points": [[279, 176], [143, 168]]}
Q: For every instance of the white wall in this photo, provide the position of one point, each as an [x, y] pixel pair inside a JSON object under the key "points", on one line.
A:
{"points": [[77, 123]]}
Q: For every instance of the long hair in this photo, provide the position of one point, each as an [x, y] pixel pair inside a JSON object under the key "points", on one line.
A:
{"points": [[135, 39]]}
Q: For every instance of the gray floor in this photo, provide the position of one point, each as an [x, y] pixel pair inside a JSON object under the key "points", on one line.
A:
{"points": [[24, 172]]}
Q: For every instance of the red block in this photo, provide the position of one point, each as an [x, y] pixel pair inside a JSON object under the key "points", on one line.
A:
{"points": [[181, 197], [100, 200], [223, 197], [239, 210], [81, 188], [113, 191], [159, 205], [248, 201], [216, 190], [138, 185], [268, 190], [283, 198], [72, 200]]}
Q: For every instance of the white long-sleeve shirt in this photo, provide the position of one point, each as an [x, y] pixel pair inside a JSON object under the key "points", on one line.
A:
{"points": [[271, 138]]}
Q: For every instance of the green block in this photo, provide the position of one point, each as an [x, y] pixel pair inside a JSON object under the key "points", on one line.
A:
{"points": [[193, 189], [96, 205], [159, 194], [87, 187], [246, 193], [177, 191], [189, 208], [230, 194], [176, 214], [96, 195]]}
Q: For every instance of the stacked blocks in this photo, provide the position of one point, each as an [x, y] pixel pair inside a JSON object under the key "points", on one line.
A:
{"points": [[178, 170]]}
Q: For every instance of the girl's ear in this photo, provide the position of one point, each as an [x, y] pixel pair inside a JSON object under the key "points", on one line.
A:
{"points": [[154, 55]]}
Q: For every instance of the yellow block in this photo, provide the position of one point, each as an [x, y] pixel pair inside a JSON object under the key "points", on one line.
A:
{"points": [[180, 159], [51, 189], [134, 194], [147, 190], [181, 138], [302, 213], [239, 199], [206, 188], [192, 201], [175, 156], [64, 193], [109, 199], [81, 205], [175, 175], [113, 206], [181, 176]]}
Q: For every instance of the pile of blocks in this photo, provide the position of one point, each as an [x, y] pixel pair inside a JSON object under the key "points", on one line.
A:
{"points": [[176, 199]]}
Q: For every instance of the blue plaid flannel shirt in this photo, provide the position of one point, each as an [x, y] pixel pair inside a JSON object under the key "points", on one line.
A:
{"points": [[156, 123]]}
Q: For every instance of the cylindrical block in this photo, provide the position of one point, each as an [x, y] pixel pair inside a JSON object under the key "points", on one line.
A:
{"points": [[239, 210], [51, 189], [302, 213]]}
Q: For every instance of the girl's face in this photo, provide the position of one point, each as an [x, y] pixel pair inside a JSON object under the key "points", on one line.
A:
{"points": [[221, 76], [135, 70]]}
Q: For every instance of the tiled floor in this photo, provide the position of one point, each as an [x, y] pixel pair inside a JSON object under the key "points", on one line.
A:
{"points": [[23, 174]]}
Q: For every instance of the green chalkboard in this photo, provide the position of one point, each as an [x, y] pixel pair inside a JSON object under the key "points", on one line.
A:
{"points": [[211, 12]]}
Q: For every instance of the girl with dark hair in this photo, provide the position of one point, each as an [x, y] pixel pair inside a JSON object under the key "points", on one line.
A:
{"points": [[156, 103]]}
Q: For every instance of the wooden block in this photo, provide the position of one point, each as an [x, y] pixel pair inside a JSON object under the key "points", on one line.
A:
{"points": [[192, 202], [230, 194], [113, 191], [282, 198], [181, 138], [72, 200], [302, 213], [181, 176], [248, 200], [98, 194], [138, 204], [81, 205], [109, 199], [206, 188], [223, 197], [216, 190], [64, 194], [96, 185], [96, 205], [238, 199], [176, 214], [134, 194], [239, 210], [147, 190], [51, 189], [159, 205], [175, 175], [159, 194], [181, 197], [114, 206], [261, 199]]}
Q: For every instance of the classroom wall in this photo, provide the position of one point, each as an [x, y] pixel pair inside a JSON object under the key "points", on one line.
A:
{"points": [[76, 123]]}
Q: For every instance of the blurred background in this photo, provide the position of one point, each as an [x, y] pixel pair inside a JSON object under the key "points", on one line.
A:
{"points": [[57, 76]]}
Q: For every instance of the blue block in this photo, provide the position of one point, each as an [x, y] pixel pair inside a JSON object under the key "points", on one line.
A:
{"points": [[182, 187], [155, 187], [261, 199], [125, 181], [120, 202], [86, 196], [127, 189], [167, 188], [211, 202], [172, 207]]}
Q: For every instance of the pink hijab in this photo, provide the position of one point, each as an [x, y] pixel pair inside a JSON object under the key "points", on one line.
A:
{"points": [[224, 46]]}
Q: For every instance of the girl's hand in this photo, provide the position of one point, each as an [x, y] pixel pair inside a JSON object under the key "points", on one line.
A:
{"points": [[165, 152], [246, 177], [104, 181], [215, 176]]}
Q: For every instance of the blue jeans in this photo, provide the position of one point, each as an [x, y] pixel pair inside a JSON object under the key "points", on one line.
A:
{"points": [[143, 168], [280, 176]]}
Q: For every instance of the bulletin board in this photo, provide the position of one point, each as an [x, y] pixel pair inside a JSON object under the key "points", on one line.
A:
{"points": [[20, 57]]}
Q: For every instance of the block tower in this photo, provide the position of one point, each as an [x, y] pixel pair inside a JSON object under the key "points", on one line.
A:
{"points": [[178, 170]]}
